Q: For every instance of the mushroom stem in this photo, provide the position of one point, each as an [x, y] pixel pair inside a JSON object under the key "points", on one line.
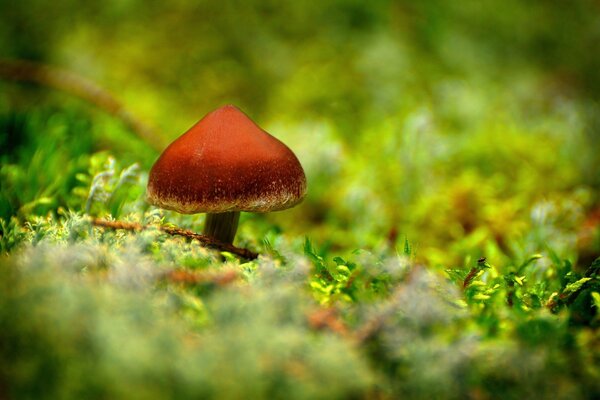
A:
{"points": [[222, 226]]}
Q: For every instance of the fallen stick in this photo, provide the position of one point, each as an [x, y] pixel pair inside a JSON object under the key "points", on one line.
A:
{"points": [[76, 85], [205, 240], [187, 277]]}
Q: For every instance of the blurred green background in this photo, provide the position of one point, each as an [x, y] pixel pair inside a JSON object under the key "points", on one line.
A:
{"points": [[468, 127], [432, 133]]}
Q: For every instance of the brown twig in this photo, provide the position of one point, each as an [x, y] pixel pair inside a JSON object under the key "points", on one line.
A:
{"points": [[205, 240], [470, 276], [130, 226], [327, 318], [69, 82], [186, 277]]}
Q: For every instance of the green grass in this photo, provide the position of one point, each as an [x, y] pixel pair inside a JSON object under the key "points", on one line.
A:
{"points": [[93, 312], [447, 247]]}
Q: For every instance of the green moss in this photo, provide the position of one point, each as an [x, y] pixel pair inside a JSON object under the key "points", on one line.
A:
{"points": [[433, 134]]}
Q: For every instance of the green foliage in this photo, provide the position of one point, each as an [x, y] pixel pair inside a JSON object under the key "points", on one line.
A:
{"points": [[448, 246], [91, 314], [107, 189], [363, 281], [86, 320]]}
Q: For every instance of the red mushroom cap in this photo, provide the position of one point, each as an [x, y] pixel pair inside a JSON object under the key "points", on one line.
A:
{"points": [[226, 163]]}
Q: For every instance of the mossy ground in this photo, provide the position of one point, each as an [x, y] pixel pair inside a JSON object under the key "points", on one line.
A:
{"points": [[447, 247]]}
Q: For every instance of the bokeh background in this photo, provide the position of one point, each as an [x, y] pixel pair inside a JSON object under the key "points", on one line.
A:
{"points": [[470, 128], [432, 133]]}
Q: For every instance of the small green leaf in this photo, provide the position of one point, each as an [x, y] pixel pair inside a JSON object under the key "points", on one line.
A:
{"points": [[83, 178], [229, 256], [596, 298], [575, 286], [461, 303], [520, 280], [343, 269], [339, 260], [407, 249], [456, 275]]}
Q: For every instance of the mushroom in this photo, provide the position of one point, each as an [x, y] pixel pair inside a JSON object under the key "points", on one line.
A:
{"points": [[223, 165]]}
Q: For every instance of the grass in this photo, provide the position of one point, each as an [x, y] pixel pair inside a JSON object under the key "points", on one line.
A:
{"points": [[94, 312], [447, 247]]}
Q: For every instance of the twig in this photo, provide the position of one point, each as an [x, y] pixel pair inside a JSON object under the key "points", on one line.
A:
{"points": [[205, 240], [327, 318], [69, 82], [186, 277], [481, 264], [470, 276], [130, 226]]}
